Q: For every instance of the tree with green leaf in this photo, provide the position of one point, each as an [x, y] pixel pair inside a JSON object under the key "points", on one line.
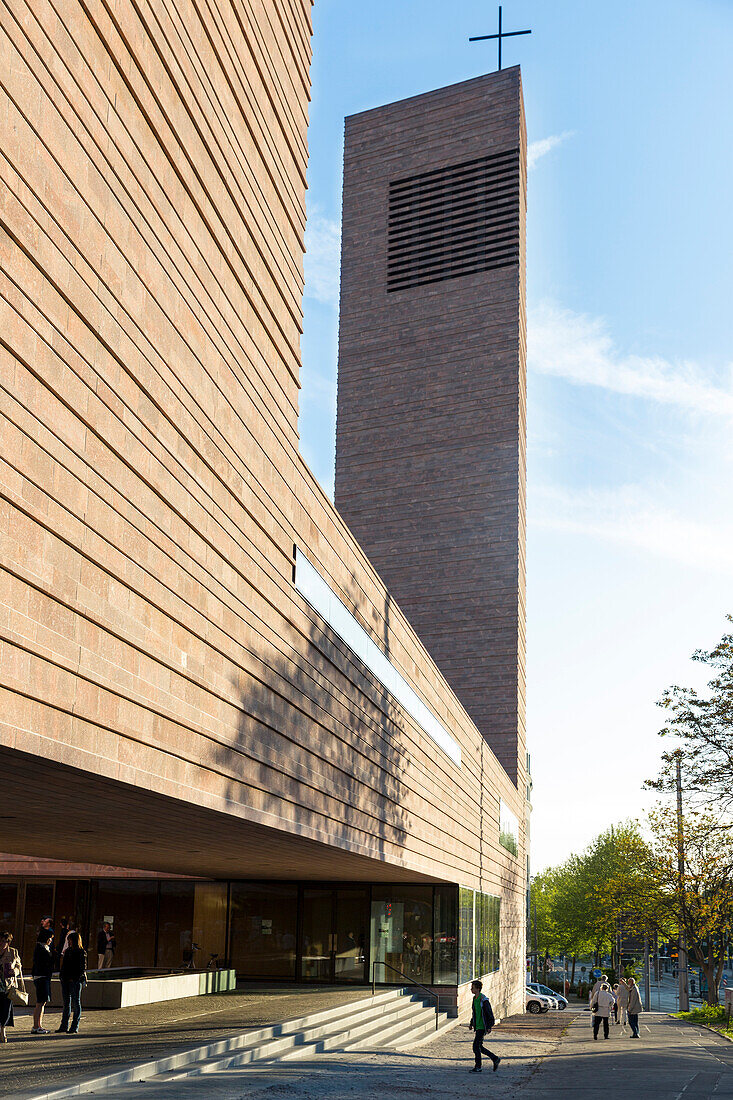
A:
{"points": [[702, 725]]}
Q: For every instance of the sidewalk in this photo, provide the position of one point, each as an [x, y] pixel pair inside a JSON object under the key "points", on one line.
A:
{"points": [[671, 1060]]}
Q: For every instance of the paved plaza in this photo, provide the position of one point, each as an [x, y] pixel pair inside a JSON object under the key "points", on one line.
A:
{"points": [[551, 1057], [110, 1040]]}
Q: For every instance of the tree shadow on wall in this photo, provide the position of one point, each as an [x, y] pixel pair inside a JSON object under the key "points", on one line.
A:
{"points": [[320, 743]]}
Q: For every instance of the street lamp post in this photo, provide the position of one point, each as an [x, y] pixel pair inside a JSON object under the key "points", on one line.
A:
{"points": [[682, 956]]}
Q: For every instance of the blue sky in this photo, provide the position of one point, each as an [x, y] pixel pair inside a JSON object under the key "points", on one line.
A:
{"points": [[630, 306]]}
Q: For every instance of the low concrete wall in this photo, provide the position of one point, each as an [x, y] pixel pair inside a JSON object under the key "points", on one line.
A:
{"points": [[126, 992]]}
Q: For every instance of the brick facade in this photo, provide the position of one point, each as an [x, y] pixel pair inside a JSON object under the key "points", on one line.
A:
{"points": [[430, 453], [168, 700]]}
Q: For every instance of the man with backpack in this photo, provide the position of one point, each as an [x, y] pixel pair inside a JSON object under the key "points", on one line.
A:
{"points": [[482, 1021]]}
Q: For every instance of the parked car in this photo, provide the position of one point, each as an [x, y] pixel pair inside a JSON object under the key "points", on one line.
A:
{"points": [[538, 1002], [537, 987]]}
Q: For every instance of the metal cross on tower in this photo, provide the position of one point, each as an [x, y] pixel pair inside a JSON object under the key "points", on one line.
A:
{"points": [[499, 36]]}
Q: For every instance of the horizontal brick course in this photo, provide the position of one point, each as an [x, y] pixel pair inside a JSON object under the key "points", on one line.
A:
{"points": [[430, 446]]}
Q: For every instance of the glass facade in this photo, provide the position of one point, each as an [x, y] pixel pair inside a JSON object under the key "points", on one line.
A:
{"points": [[445, 935], [466, 971], [402, 932], [508, 829], [263, 929], [486, 923], [286, 931], [38, 904], [479, 927], [175, 924], [131, 907]]}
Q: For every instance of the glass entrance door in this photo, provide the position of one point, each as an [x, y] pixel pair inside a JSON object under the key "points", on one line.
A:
{"points": [[316, 936], [333, 935], [350, 935]]}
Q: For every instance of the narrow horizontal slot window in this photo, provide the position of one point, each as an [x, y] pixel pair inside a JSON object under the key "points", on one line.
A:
{"points": [[322, 599]]}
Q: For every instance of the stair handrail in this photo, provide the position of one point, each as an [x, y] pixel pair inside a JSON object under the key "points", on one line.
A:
{"points": [[430, 992]]}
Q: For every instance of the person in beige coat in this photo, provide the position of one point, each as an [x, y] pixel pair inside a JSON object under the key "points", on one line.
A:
{"points": [[634, 1008], [622, 1001], [11, 977], [601, 1008]]}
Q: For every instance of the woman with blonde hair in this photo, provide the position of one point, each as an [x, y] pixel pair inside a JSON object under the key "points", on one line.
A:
{"points": [[73, 975], [11, 978]]}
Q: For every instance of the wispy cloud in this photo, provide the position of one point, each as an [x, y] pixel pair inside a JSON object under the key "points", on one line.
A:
{"points": [[579, 349], [322, 258], [537, 149], [632, 516]]}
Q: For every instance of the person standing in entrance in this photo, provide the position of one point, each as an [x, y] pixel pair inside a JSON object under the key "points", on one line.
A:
{"points": [[634, 1008], [482, 1021], [106, 945]]}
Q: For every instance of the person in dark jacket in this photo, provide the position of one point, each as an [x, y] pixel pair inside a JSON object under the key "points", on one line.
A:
{"points": [[73, 976], [482, 1021], [106, 944], [60, 942], [45, 927], [42, 971]]}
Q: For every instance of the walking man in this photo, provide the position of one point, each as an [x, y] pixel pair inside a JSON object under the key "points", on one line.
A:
{"points": [[482, 1021]]}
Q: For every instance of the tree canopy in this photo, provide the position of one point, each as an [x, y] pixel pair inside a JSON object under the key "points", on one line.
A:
{"points": [[702, 725]]}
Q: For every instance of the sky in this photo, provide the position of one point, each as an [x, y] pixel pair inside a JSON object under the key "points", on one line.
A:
{"points": [[630, 361]]}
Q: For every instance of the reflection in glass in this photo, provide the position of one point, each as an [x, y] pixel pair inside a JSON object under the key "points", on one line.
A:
{"points": [[402, 932], [210, 922], [263, 929], [466, 971], [488, 911], [38, 904], [175, 926], [315, 963], [132, 909], [445, 935], [350, 945], [8, 906]]}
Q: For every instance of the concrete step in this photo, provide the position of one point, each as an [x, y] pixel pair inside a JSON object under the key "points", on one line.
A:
{"points": [[396, 1017], [378, 1022]]}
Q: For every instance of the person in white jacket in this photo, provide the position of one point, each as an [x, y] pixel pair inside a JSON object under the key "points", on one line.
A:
{"points": [[601, 1008]]}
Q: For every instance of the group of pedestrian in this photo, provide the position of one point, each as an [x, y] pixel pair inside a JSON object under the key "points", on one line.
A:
{"points": [[69, 956], [65, 955], [622, 1004]]}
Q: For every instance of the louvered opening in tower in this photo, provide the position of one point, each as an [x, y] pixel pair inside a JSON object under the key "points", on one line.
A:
{"points": [[454, 221]]}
